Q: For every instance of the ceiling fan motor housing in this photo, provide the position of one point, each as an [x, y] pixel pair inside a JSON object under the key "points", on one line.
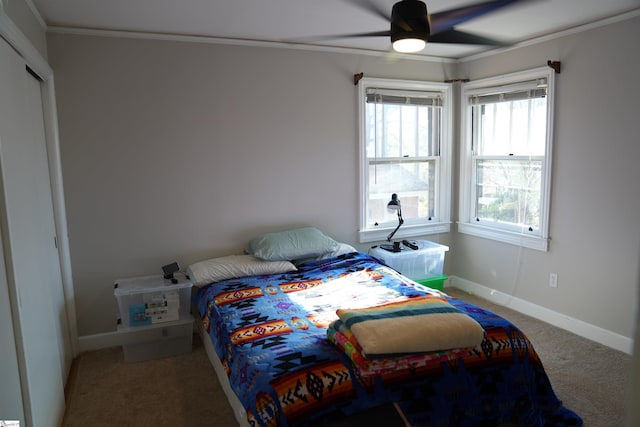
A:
{"points": [[409, 20]]}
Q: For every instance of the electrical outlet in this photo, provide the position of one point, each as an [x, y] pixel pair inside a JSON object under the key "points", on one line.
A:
{"points": [[553, 280]]}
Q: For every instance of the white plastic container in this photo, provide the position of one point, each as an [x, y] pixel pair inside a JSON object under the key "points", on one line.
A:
{"points": [[148, 300], [423, 263]]}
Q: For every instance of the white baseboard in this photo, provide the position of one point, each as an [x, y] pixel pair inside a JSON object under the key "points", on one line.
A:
{"points": [[127, 336], [99, 341], [578, 327]]}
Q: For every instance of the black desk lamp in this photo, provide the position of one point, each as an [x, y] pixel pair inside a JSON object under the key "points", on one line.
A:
{"points": [[394, 204]]}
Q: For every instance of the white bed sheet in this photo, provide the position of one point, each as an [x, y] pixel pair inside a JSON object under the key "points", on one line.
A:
{"points": [[238, 410]]}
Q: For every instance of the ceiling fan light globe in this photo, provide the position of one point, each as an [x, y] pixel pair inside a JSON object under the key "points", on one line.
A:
{"points": [[409, 45]]}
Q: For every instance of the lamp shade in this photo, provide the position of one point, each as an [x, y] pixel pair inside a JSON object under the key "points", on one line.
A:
{"points": [[394, 203]]}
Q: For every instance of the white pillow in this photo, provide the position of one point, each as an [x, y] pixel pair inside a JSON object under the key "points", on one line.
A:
{"points": [[234, 266]]}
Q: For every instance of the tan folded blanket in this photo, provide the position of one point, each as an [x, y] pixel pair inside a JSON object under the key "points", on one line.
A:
{"points": [[416, 325]]}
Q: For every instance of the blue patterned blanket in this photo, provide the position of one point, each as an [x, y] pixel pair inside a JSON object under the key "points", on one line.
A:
{"points": [[270, 333]]}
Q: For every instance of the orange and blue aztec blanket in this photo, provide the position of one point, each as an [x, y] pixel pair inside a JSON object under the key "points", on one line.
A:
{"points": [[270, 333]]}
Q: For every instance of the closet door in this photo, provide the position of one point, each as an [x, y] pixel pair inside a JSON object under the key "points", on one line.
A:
{"points": [[10, 397], [28, 240]]}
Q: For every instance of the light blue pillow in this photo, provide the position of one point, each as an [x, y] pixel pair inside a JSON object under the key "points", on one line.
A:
{"points": [[299, 243], [343, 248]]}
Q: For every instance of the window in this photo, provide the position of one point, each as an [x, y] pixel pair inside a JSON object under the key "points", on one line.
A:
{"points": [[507, 125], [405, 148]]}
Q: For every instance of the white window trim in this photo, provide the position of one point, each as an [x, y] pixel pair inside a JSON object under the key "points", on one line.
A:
{"points": [[442, 222], [466, 223]]}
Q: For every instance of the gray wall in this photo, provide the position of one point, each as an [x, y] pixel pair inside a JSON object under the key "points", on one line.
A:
{"points": [[594, 223], [182, 151]]}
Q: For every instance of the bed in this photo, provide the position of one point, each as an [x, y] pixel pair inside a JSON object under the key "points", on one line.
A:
{"points": [[279, 335]]}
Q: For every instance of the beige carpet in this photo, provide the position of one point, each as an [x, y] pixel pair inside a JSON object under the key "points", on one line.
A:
{"points": [[182, 390], [588, 377]]}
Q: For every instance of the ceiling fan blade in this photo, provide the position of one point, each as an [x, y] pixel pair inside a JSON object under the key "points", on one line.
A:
{"points": [[461, 37], [447, 19], [385, 33], [371, 7]]}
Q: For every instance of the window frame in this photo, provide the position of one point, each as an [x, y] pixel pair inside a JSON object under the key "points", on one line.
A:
{"points": [[466, 223], [440, 222]]}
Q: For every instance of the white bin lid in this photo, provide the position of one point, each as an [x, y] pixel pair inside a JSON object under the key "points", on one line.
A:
{"points": [[144, 284]]}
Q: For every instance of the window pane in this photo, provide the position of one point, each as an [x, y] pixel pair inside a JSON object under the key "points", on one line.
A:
{"points": [[402, 130], [409, 130], [429, 120], [414, 182], [508, 191], [511, 128]]}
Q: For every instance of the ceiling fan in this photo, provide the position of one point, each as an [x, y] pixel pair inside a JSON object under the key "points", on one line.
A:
{"points": [[412, 26]]}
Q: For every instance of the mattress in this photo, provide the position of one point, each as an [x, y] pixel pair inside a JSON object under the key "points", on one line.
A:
{"points": [[270, 337]]}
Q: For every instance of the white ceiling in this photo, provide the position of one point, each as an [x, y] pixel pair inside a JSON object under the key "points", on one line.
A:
{"points": [[289, 21]]}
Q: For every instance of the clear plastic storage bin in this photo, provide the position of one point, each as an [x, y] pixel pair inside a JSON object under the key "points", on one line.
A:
{"points": [[156, 341], [149, 300], [423, 263]]}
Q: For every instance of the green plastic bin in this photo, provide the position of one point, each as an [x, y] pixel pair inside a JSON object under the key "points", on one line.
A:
{"points": [[434, 282]]}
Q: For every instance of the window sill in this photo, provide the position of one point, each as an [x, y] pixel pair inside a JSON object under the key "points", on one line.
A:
{"points": [[518, 239], [406, 231]]}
